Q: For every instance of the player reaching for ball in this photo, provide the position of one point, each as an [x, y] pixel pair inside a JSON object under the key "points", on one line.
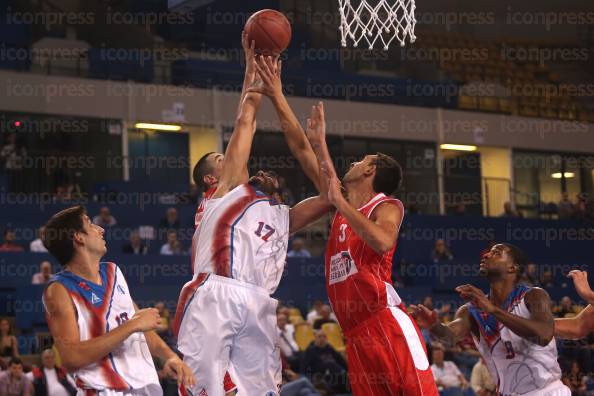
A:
{"points": [[384, 347], [512, 327], [230, 318], [581, 325], [208, 169]]}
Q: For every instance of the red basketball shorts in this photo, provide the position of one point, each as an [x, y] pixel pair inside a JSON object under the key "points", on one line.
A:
{"points": [[387, 357]]}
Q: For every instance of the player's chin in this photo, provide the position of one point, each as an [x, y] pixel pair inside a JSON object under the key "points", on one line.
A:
{"points": [[483, 271]]}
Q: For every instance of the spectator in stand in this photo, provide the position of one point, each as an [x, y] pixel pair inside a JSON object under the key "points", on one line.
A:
{"points": [[14, 382], [36, 246], [294, 384], [44, 275], [12, 155], [530, 277], [8, 342], [325, 317], [51, 380], [460, 209], [565, 307], [446, 373], [287, 343], [565, 207], [509, 211], [576, 380], [324, 365], [170, 221], [135, 246], [9, 244], [173, 246], [580, 208], [546, 280], [481, 381], [315, 313], [104, 219], [441, 252], [298, 249]]}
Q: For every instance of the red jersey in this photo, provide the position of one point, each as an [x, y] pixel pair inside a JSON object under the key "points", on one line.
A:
{"points": [[358, 280]]}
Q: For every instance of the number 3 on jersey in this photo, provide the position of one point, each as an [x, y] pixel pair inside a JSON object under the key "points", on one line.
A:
{"points": [[264, 227]]}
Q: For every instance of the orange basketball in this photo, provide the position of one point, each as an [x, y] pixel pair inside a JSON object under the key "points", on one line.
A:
{"points": [[270, 30]]}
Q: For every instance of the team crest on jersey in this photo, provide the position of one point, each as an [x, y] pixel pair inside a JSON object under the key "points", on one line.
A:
{"points": [[342, 266], [95, 299]]}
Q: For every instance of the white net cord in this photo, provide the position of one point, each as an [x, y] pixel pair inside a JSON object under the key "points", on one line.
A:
{"points": [[385, 22]]}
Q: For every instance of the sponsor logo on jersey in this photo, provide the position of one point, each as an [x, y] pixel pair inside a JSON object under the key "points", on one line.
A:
{"points": [[203, 392], [121, 289], [342, 266], [271, 393], [95, 299]]}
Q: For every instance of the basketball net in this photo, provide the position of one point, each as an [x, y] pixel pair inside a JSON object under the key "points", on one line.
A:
{"points": [[385, 22]]}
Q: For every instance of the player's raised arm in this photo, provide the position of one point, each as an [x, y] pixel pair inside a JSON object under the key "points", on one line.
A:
{"points": [[235, 170], [539, 328], [269, 72], [449, 334], [310, 209], [76, 354], [577, 327]]}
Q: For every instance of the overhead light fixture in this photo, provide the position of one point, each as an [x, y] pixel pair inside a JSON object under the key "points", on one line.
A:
{"points": [[457, 147], [157, 127], [567, 175]]}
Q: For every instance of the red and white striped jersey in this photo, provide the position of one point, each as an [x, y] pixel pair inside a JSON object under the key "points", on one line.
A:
{"points": [[197, 219], [100, 309], [358, 280], [244, 235]]}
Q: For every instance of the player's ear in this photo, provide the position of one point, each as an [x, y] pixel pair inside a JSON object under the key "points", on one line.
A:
{"points": [[370, 169], [208, 180]]}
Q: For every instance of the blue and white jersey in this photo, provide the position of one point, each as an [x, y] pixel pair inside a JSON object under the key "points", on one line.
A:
{"points": [[244, 235], [518, 366], [100, 309]]}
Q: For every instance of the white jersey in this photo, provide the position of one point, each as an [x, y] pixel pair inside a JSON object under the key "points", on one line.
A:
{"points": [[517, 365], [198, 219], [99, 309], [243, 235]]}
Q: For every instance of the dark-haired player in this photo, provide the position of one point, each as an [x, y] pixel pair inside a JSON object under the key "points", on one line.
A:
{"points": [[102, 337], [512, 327], [385, 350], [228, 318], [209, 167]]}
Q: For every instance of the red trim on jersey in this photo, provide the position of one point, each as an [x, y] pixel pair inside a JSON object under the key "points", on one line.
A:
{"points": [[197, 219], [221, 252], [186, 293], [97, 328]]}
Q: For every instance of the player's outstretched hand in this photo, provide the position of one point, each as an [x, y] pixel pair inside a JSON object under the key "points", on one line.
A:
{"points": [[146, 319], [178, 370], [316, 125], [425, 317], [269, 77], [250, 57], [476, 296], [580, 280]]}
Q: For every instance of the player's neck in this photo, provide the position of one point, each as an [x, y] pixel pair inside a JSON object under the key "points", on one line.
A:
{"points": [[358, 195], [500, 289], [86, 268]]}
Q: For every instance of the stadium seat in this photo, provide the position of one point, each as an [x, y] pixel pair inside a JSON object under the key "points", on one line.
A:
{"points": [[296, 320], [295, 312], [335, 337], [304, 335]]}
